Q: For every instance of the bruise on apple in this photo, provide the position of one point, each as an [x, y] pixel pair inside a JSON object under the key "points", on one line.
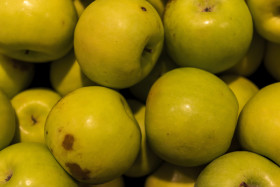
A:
{"points": [[68, 142], [77, 172]]}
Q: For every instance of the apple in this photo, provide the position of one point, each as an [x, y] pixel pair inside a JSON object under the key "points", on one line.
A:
{"points": [[117, 43], [66, 75], [191, 115], [258, 126], [7, 121], [266, 18], [250, 63], [37, 30], [80, 5], [93, 134], [243, 88], [147, 161], [159, 6], [213, 35], [169, 175], [240, 169], [31, 164], [271, 60], [15, 76], [32, 107], [141, 89], [117, 182]]}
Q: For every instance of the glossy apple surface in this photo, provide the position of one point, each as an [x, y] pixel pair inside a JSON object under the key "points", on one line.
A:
{"points": [[191, 116], [117, 43], [258, 126], [7, 120], [93, 134], [240, 168], [207, 34], [36, 30], [31, 164], [32, 107]]}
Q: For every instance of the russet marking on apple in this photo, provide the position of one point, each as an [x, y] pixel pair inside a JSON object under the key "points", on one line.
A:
{"points": [[68, 142], [77, 171]]}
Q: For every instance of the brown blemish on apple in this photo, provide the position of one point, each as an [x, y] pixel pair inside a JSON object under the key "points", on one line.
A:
{"points": [[9, 177], [143, 8], [68, 142], [77, 171], [207, 9]]}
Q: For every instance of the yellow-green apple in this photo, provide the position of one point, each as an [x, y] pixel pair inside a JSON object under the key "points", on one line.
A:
{"points": [[7, 121], [93, 134], [258, 126], [253, 58], [80, 5], [117, 43], [240, 169], [191, 115], [272, 60], [66, 75], [31, 164], [159, 5], [141, 89], [207, 34], [15, 76], [147, 161], [117, 182], [37, 30], [266, 18], [32, 107], [243, 88], [169, 175]]}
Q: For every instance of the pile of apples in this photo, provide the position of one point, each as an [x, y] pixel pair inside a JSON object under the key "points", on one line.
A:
{"points": [[151, 93]]}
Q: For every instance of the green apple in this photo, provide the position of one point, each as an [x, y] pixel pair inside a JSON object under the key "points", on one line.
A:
{"points": [[266, 18], [191, 116], [243, 88], [240, 169], [272, 60], [258, 127], [7, 121], [117, 43], [117, 182], [31, 164], [147, 161], [32, 107], [15, 76], [159, 6], [141, 89], [169, 175], [37, 30], [213, 35], [93, 134], [66, 75], [250, 63]]}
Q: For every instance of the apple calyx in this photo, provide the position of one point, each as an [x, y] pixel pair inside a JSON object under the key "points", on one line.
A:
{"points": [[34, 120], [10, 174], [148, 50], [207, 9], [244, 184]]}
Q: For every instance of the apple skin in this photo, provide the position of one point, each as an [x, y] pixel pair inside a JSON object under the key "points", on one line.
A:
{"points": [[66, 75], [169, 175], [80, 5], [271, 60], [159, 6], [31, 164], [15, 76], [250, 63], [258, 126], [240, 169], [117, 182], [7, 121], [40, 31], [32, 107], [191, 116], [147, 161], [207, 34], [266, 18], [93, 134], [117, 43]]}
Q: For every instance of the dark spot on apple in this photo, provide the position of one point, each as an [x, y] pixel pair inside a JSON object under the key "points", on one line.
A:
{"points": [[60, 129], [9, 177], [244, 184], [26, 52], [34, 120], [148, 50], [68, 142], [77, 172], [207, 9], [47, 132], [143, 8]]}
